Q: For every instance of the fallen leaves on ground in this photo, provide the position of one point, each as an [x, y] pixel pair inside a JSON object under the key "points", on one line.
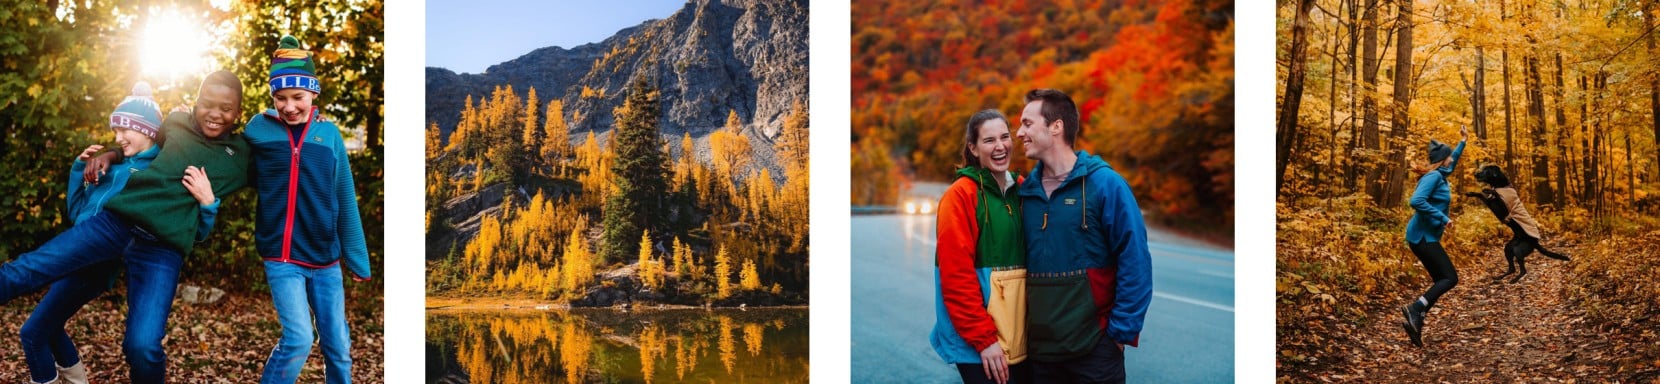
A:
{"points": [[1340, 290], [226, 342]]}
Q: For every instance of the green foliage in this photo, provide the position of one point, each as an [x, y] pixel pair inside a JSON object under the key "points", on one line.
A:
{"points": [[346, 38], [52, 73]]}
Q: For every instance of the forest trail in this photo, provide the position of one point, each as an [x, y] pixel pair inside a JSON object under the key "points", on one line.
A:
{"points": [[1484, 331]]}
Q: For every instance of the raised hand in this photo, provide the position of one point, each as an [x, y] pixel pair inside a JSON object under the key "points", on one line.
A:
{"points": [[196, 180], [91, 149], [97, 166]]}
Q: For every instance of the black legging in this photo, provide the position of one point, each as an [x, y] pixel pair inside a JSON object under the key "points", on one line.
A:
{"points": [[976, 374], [1440, 269]]}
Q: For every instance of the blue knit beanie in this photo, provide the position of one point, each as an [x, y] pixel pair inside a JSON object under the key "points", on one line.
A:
{"points": [[138, 112]]}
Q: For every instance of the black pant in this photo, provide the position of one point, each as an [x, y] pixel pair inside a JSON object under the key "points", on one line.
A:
{"points": [[1104, 364], [1440, 269], [976, 374]]}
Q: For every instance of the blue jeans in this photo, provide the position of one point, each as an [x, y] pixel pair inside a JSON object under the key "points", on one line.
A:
{"points": [[300, 294], [152, 278], [45, 344], [99, 238]]}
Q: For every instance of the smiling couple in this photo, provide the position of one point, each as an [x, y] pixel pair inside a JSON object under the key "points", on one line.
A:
{"points": [[1052, 267]]}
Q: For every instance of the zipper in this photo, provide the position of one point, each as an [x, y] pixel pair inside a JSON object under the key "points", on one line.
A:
{"points": [[293, 180]]}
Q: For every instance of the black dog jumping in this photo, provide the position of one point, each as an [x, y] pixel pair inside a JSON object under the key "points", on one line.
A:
{"points": [[1507, 206]]}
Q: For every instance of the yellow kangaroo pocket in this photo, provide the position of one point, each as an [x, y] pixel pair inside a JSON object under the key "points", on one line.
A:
{"points": [[1007, 307]]}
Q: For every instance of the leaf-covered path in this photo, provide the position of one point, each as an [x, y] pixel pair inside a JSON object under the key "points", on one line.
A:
{"points": [[1483, 331]]}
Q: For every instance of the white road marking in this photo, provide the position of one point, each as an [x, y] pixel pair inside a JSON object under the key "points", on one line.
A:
{"points": [[1193, 301], [1207, 272]]}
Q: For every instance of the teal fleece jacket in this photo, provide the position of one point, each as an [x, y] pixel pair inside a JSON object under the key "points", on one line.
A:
{"points": [[307, 200]]}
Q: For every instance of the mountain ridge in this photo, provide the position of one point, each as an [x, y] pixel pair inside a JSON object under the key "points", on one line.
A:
{"points": [[708, 58]]}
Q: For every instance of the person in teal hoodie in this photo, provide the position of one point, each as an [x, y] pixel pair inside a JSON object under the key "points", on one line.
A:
{"points": [[980, 261], [307, 220], [1089, 274], [1423, 232], [48, 350]]}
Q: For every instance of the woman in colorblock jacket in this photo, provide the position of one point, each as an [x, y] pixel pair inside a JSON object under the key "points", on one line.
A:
{"points": [[981, 260]]}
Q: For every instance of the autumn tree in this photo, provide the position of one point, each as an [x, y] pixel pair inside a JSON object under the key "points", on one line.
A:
{"points": [[640, 170], [578, 263], [731, 154], [434, 142], [650, 273], [749, 280], [1286, 124], [556, 135], [532, 136], [723, 274], [679, 254], [793, 137]]}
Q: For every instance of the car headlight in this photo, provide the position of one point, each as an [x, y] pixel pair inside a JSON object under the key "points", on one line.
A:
{"points": [[927, 207], [910, 207]]}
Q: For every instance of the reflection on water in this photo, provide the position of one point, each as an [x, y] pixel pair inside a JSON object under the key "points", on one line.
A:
{"points": [[602, 345]]}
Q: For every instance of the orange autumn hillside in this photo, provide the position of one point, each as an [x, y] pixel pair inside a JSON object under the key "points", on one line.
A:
{"points": [[1153, 81]]}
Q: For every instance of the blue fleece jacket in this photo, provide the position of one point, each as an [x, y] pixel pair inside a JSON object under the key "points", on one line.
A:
{"points": [[1087, 261], [86, 200], [307, 200], [1430, 201]]}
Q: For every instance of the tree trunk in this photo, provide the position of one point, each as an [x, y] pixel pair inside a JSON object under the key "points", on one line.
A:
{"points": [[1331, 152], [1402, 118], [1560, 151], [1352, 172], [1536, 113], [1479, 102], [1653, 84], [1596, 182], [1587, 152], [1369, 104], [1509, 139], [1287, 124]]}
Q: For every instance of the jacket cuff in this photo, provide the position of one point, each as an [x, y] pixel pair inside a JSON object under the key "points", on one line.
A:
{"points": [[981, 340]]}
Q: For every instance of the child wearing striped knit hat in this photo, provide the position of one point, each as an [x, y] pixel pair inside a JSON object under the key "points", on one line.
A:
{"points": [[47, 349], [308, 227]]}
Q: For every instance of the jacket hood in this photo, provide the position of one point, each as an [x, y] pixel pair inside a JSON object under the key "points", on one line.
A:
{"points": [[1085, 165], [984, 178], [148, 154]]}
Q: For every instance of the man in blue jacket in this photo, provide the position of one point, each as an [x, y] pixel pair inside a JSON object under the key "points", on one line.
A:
{"points": [[1090, 277]]}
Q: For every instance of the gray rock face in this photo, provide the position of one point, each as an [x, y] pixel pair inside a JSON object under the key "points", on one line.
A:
{"points": [[708, 58]]}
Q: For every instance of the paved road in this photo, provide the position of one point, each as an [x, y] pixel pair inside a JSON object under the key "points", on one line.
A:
{"points": [[1188, 337]]}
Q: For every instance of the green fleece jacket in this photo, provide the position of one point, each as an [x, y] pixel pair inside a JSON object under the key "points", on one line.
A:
{"points": [[155, 199]]}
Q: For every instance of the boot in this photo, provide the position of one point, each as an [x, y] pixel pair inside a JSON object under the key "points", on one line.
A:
{"points": [[74, 374], [1414, 322]]}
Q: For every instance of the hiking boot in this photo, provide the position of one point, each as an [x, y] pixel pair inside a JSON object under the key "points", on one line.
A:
{"points": [[74, 374], [1414, 324]]}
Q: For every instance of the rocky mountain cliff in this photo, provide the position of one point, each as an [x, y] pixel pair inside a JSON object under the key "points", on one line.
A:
{"points": [[708, 58]]}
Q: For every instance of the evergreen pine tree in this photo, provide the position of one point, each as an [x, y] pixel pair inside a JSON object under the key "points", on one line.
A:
{"points": [[639, 171]]}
